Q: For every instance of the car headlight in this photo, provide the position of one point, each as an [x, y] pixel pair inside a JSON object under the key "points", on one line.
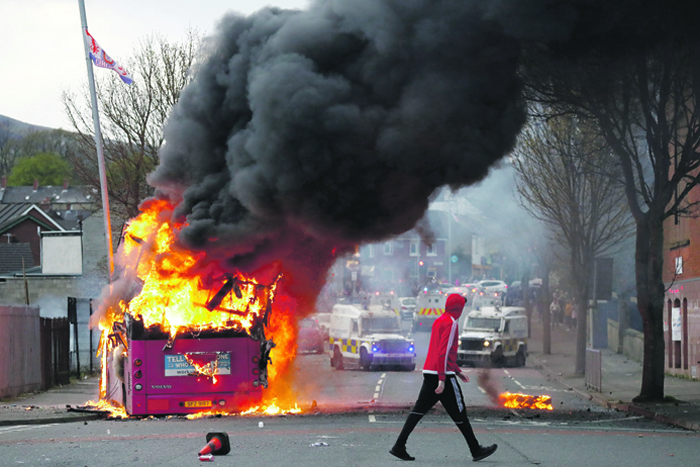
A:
{"points": [[486, 343]]}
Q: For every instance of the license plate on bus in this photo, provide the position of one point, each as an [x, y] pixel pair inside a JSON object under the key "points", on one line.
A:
{"points": [[197, 403]]}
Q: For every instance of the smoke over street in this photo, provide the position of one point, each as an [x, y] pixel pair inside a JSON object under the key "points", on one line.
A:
{"points": [[304, 133]]}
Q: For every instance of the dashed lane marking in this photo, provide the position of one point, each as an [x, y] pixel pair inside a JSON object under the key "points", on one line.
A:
{"points": [[378, 388], [372, 419]]}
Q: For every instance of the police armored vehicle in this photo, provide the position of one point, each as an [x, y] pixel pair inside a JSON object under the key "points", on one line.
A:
{"points": [[368, 338], [494, 336]]}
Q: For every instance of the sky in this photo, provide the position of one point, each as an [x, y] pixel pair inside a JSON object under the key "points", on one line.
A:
{"points": [[42, 54]]}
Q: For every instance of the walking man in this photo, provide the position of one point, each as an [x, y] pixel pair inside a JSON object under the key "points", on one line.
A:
{"points": [[440, 383]]}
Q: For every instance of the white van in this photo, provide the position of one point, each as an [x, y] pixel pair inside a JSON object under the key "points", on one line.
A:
{"points": [[368, 339], [429, 306], [388, 301], [494, 336]]}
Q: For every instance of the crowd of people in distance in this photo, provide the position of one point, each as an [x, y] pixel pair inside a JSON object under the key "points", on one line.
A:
{"points": [[563, 311]]}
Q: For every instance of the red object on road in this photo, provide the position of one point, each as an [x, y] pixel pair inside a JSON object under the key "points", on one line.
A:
{"points": [[217, 444]]}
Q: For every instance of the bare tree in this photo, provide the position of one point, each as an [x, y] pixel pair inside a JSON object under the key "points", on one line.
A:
{"points": [[564, 179], [644, 104], [7, 155], [131, 118]]}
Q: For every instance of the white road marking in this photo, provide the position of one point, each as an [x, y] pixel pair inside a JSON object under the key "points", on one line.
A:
{"points": [[481, 389], [378, 388], [506, 372], [15, 429], [372, 419]]}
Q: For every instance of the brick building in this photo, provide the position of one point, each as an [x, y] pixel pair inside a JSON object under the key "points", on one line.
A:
{"points": [[682, 280]]}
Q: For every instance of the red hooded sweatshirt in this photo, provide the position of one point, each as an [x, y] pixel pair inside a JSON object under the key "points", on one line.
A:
{"points": [[444, 339]]}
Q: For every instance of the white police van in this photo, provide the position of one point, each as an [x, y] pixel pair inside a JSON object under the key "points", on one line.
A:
{"points": [[368, 338], [494, 336]]}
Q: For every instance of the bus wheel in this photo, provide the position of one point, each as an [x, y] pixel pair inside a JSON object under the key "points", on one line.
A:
{"points": [[337, 359], [520, 358]]}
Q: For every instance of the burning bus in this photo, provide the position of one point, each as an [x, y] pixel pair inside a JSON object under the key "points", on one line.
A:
{"points": [[223, 369], [179, 335]]}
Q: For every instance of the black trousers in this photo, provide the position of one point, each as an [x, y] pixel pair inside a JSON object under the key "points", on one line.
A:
{"points": [[453, 401]]}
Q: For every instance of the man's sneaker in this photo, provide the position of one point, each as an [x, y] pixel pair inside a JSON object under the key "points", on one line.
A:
{"points": [[400, 452], [484, 452]]}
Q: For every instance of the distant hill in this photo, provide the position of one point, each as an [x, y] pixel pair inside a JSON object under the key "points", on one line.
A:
{"points": [[16, 129]]}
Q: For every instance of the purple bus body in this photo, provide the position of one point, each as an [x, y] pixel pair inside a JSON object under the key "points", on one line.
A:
{"points": [[163, 382]]}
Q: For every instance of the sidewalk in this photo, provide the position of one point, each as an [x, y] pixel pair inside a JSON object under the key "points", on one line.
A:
{"points": [[621, 381], [51, 406]]}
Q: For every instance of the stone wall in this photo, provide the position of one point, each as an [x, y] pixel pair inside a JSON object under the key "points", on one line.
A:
{"points": [[633, 341]]}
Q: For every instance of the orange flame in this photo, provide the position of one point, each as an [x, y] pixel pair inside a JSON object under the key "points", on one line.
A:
{"points": [[172, 288], [115, 410], [268, 409], [525, 401]]}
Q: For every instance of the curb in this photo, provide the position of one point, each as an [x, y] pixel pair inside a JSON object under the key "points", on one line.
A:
{"points": [[617, 405], [694, 426], [47, 420]]}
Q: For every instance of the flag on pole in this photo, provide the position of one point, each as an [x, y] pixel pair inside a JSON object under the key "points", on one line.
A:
{"points": [[101, 59]]}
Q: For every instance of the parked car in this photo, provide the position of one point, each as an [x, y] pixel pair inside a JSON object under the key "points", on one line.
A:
{"points": [[311, 337], [408, 306], [491, 286]]}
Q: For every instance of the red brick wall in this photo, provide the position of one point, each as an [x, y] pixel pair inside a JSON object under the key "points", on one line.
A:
{"points": [[687, 229], [26, 232]]}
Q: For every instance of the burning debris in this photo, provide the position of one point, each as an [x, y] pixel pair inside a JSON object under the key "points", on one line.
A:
{"points": [[509, 400], [524, 401]]}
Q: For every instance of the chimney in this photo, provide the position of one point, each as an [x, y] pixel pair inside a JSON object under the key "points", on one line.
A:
{"points": [[3, 182], [36, 184], [65, 184]]}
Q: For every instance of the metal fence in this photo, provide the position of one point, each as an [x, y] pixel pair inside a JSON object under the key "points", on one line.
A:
{"points": [[55, 357], [83, 340], [594, 370]]}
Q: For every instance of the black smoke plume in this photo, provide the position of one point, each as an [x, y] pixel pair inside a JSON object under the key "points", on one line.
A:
{"points": [[304, 133]]}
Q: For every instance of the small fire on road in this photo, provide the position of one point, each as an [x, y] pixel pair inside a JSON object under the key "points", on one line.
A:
{"points": [[525, 401]]}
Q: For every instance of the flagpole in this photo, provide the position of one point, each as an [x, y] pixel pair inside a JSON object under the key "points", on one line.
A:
{"points": [[98, 142]]}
